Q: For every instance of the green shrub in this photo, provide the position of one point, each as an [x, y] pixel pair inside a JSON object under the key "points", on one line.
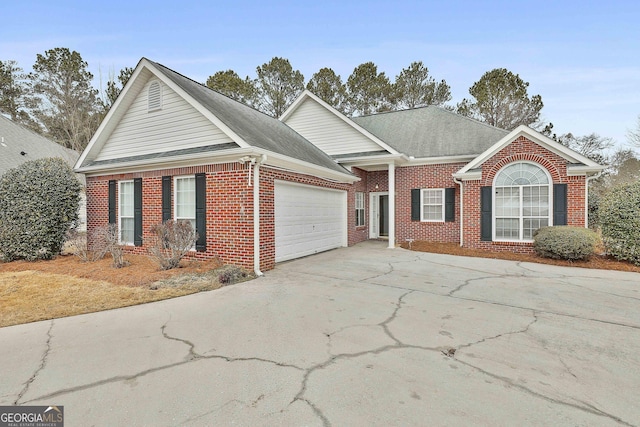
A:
{"points": [[620, 222], [564, 242], [39, 204]]}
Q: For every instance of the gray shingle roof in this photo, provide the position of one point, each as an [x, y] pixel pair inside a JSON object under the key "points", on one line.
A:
{"points": [[15, 139], [431, 132], [255, 128]]}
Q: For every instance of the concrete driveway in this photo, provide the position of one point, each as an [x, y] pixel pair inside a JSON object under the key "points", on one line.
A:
{"points": [[357, 336]]}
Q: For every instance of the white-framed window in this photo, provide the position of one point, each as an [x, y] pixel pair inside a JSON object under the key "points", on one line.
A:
{"points": [[359, 208], [125, 213], [185, 199], [432, 205], [522, 194], [154, 96]]}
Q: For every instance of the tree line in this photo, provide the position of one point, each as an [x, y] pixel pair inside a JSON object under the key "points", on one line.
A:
{"points": [[57, 98]]}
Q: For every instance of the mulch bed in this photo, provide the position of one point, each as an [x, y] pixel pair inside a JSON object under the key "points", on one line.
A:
{"points": [[603, 262]]}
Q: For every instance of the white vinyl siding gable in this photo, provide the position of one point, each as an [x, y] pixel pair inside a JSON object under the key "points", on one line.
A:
{"points": [[327, 131], [178, 125]]}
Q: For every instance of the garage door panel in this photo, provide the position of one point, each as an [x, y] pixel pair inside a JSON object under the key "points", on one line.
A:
{"points": [[308, 220]]}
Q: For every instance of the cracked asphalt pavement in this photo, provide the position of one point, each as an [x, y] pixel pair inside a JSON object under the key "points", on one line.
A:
{"points": [[357, 336]]}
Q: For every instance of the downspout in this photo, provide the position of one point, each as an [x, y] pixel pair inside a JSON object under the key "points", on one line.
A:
{"points": [[256, 213], [586, 197], [457, 181]]}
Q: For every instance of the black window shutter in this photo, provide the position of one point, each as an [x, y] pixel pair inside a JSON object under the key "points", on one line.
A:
{"points": [[166, 198], [486, 198], [112, 201], [449, 204], [415, 204], [559, 204], [201, 212], [137, 211]]}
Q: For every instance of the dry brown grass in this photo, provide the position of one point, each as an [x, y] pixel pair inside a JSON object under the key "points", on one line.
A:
{"points": [[598, 261], [65, 286]]}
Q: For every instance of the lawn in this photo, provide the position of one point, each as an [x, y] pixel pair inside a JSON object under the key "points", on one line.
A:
{"points": [[66, 286]]}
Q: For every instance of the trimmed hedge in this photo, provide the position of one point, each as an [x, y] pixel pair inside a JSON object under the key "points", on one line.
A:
{"points": [[620, 222], [39, 204], [565, 242]]}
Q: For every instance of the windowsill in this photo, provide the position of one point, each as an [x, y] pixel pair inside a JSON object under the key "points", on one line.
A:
{"points": [[514, 242]]}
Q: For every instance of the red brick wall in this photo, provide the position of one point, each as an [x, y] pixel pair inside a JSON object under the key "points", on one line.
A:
{"points": [[521, 149], [229, 209], [359, 234], [427, 176]]}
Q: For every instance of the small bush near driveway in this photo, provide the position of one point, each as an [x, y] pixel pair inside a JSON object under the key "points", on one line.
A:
{"points": [[564, 242]]}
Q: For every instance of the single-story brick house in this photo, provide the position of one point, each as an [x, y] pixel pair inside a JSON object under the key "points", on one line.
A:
{"points": [[260, 190]]}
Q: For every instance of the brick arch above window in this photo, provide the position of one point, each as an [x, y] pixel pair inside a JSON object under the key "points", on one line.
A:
{"points": [[544, 162]]}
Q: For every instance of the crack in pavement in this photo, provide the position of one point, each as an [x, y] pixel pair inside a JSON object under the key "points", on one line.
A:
{"points": [[468, 282], [482, 301], [520, 331], [583, 406], [191, 357], [589, 408], [43, 363], [391, 269], [568, 283], [385, 324]]}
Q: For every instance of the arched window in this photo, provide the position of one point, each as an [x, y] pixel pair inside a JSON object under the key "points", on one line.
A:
{"points": [[521, 199], [154, 96]]}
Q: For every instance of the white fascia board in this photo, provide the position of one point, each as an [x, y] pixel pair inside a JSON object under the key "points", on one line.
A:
{"points": [[583, 170], [347, 120], [396, 159], [468, 176], [115, 109], [232, 155], [306, 168], [440, 160], [186, 160], [537, 138]]}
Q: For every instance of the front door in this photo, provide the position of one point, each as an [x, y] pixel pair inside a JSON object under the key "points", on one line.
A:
{"points": [[384, 216], [378, 215]]}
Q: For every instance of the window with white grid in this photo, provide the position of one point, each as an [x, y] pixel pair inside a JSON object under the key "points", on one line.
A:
{"points": [[433, 204], [126, 215], [185, 199], [359, 208], [521, 204]]}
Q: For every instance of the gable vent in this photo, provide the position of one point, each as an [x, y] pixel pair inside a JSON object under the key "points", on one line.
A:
{"points": [[155, 96]]}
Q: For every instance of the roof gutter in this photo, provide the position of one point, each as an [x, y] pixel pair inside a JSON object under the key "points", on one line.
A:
{"points": [[226, 156]]}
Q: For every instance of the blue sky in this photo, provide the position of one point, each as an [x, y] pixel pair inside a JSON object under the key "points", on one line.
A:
{"points": [[582, 57]]}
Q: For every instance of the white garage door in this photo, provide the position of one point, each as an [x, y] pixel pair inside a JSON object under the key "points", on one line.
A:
{"points": [[308, 220]]}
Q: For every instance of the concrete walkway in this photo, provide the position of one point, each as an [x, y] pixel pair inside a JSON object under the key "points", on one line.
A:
{"points": [[357, 336]]}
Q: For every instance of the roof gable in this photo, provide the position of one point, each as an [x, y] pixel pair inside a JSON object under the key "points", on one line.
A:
{"points": [[175, 126], [241, 124], [330, 130], [586, 164]]}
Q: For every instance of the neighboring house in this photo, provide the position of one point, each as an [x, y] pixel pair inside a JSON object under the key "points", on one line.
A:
{"points": [[19, 144], [260, 190]]}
